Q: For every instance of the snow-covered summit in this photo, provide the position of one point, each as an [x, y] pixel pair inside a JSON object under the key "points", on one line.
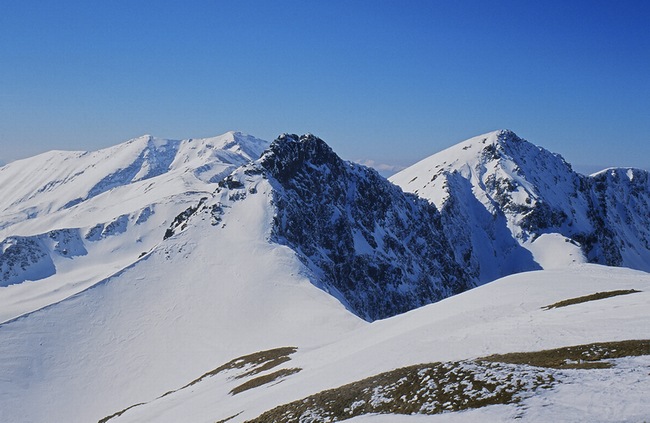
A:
{"points": [[60, 180], [485, 160], [502, 183]]}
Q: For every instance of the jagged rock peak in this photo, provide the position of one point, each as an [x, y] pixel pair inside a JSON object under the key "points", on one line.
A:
{"points": [[513, 147], [378, 250], [289, 152], [507, 135], [498, 138]]}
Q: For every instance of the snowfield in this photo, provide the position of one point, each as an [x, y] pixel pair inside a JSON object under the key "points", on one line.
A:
{"points": [[504, 316]]}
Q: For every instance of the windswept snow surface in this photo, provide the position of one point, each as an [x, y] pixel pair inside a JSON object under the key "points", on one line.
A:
{"points": [[504, 316], [71, 219]]}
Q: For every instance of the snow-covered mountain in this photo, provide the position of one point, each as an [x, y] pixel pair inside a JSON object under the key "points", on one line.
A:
{"points": [[379, 251], [197, 287], [499, 205], [63, 184], [71, 219], [513, 206]]}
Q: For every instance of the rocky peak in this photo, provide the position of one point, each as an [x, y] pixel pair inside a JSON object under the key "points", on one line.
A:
{"points": [[508, 137], [377, 249], [289, 152], [502, 138]]}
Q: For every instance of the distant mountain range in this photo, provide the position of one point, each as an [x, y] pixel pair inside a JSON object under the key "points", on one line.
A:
{"points": [[95, 213], [128, 272]]}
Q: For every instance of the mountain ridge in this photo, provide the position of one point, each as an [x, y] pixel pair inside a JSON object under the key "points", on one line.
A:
{"points": [[539, 195], [501, 205], [133, 161], [376, 249], [278, 253], [112, 206]]}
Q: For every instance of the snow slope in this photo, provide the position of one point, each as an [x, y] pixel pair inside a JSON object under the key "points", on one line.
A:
{"points": [[71, 219], [504, 316], [508, 201], [58, 181], [213, 291], [156, 273]]}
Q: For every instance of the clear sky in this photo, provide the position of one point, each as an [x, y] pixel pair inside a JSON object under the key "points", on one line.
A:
{"points": [[388, 81]]}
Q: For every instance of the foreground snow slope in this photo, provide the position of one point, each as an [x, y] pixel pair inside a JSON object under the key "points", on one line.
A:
{"points": [[500, 317]]}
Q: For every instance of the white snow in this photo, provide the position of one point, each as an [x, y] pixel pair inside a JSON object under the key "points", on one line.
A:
{"points": [[124, 199], [554, 251], [114, 328], [499, 317], [498, 175], [206, 295]]}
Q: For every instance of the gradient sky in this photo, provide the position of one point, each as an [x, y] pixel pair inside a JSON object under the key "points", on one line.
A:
{"points": [[388, 81]]}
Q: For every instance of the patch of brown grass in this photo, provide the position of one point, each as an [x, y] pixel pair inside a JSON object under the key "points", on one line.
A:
{"points": [[586, 356], [263, 380], [119, 413], [591, 297], [227, 419], [261, 360], [453, 386], [422, 389]]}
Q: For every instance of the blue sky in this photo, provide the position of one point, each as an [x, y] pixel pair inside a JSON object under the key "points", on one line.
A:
{"points": [[388, 81]]}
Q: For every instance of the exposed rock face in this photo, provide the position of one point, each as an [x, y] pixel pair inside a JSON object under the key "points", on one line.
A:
{"points": [[30, 257], [620, 217], [381, 251]]}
